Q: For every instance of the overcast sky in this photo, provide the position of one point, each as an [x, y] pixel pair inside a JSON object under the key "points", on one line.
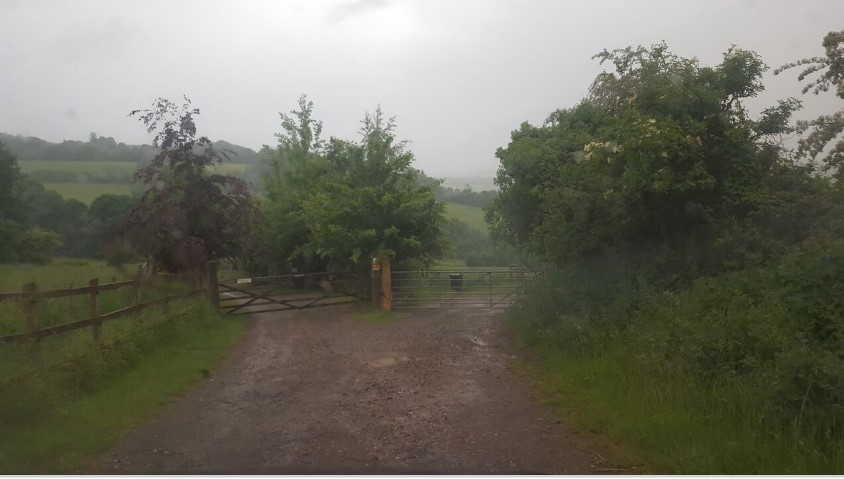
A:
{"points": [[458, 75]]}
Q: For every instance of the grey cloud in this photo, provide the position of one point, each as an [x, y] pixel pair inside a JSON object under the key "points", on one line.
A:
{"points": [[342, 11], [459, 75]]}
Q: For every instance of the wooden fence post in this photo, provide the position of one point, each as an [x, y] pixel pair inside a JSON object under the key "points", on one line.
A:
{"points": [[137, 299], [30, 314], [213, 287], [386, 286], [94, 295]]}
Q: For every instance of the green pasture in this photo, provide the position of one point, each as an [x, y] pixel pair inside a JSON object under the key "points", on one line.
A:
{"points": [[88, 192], [86, 180], [61, 273], [92, 168], [82, 168], [471, 215]]}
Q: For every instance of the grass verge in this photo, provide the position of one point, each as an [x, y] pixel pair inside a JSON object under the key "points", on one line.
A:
{"points": [[377, 316], [78, 411], [657, 419]]}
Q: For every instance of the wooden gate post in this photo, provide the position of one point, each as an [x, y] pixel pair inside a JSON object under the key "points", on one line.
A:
{"points": [[386, 285], [375, 272], [213, 288]]}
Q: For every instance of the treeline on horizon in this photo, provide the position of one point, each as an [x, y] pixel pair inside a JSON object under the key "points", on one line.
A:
{"points": [[106, 149], [67, 227]]}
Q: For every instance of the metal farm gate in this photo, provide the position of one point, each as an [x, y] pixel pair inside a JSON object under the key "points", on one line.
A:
{"points": [[294, 291], [459, 289]]}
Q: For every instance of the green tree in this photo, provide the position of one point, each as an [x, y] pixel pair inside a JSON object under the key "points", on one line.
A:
{"points": [[329, 205], [37, 246], [294, 170], [187, 215], [12, 211], [662, 155], [825, 138], [105, 215]]}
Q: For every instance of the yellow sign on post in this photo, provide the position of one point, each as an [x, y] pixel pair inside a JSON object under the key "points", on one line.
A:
{"points": [[376, 266]]}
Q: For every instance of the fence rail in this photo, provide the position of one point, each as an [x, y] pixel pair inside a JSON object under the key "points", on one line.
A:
{"points": [[84, 323], [30, 298], [291, 291], [62, 293]]}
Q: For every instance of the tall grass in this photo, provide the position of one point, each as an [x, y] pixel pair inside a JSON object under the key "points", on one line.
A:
{"points": [[739, 373], [80, 398], [59, 419], [61, 273], [667, 421]]}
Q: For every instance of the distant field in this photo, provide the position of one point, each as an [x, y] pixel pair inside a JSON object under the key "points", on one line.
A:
{"points": [[471, 215], [61, 273], [95, 178], [87, 192], [79, 166], [113, 167]]}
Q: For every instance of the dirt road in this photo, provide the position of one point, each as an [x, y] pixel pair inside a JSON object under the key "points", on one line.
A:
{"points": [[327, 391]]}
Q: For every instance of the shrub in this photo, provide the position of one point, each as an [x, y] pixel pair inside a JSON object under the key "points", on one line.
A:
{"points": [[37, 246]]}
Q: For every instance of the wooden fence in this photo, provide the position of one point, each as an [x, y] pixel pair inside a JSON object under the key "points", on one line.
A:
{"points": [[30, 297]]}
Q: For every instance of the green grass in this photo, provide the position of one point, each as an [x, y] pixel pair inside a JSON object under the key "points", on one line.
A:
{"points": [[81, 168], [81, 427], [659, 420], [471, 215], [453, 264], [377, 316], [81, 398], [88, 192], [61, 273], [89, 168]]}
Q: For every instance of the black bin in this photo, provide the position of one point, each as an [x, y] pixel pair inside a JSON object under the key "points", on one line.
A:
{"points": [[299, 281], [456, 281]]}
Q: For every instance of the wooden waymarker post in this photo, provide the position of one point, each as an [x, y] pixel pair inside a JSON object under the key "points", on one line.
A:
{"points": [[97, 328], [30, 314], [375, 290], [386, 286]]}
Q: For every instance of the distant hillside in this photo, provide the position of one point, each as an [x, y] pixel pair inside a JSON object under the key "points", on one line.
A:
{"points": [[101, 148], [471, 215]]}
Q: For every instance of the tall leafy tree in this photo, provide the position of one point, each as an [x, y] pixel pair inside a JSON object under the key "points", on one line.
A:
{"points": [[373, 200], [187, 214], [295, 169], [825, 138], [330, 204], [661, 155], [12, 212]]}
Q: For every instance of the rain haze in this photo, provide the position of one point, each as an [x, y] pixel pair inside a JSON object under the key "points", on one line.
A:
{"points": [[458, 76]]}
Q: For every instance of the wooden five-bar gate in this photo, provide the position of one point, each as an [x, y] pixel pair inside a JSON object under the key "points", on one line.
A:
{"points": [[293, 291], [386, 289]]}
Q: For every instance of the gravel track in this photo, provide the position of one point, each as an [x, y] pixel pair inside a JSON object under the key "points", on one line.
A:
{"points": [[326, 391]]}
